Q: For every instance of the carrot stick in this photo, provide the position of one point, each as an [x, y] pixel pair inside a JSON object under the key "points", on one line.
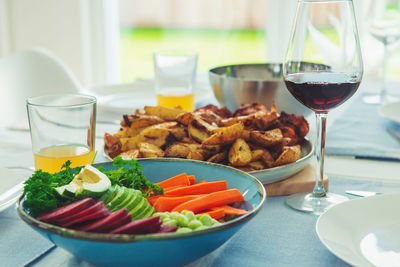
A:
{"points": [[180, 179], [215, 213], [203, 188], [202, 182], [172, 187], [168, 203], [153, 199], [231, 210], [192, 179], [211, 200]]}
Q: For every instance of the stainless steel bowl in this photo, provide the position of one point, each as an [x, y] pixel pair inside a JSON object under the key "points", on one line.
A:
{"points": [[234, 85]]}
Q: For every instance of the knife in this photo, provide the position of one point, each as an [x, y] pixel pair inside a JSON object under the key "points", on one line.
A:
{"points": [[359, 193]]}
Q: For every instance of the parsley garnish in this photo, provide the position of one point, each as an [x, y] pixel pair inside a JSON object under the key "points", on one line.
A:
{"points": [[40, 190], [130, 175]]}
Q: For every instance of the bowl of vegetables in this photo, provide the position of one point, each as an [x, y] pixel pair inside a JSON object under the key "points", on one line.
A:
{"points": [[149, 212]]}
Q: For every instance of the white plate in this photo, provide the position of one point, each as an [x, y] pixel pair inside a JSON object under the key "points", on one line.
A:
{"points": [[391, 111], [124, 98], [11, 185], [363, 232]]}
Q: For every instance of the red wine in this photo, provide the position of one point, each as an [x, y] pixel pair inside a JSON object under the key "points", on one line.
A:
{"points": [[321, 91]]}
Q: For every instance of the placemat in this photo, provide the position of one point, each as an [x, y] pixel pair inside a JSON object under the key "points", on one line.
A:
{"points": [[19, 244], [362, 132]]}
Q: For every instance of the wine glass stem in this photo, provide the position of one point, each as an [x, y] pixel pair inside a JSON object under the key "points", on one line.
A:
{"points": [[384, 68], [319, 190]]}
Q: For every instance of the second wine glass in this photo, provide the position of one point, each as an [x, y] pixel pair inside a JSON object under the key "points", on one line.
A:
{"points": [[332, 43]]}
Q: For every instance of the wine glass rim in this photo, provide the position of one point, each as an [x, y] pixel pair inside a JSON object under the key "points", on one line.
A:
{"points": [[84, 100]]}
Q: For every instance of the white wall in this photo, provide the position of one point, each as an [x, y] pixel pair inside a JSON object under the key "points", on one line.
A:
{"points": [[53, 25], [83, 33]]}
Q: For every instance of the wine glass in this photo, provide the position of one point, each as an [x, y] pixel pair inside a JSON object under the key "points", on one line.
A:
{"points": [[330, 42], [384, 25]]}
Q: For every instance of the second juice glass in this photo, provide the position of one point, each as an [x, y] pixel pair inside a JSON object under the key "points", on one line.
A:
{"points": [[175, 78]]}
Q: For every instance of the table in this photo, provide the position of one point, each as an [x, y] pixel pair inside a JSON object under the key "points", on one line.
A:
{"points": [[278, 236]]}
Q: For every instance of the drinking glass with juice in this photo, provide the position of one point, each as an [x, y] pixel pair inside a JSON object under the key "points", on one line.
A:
{"points": [[175, 78], [62, 128]]}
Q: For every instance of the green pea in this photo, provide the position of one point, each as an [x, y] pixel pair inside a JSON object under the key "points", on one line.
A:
{"points": [[206, 220], [170, 222], [215, 222], [190, 215], [174, 215], [182, 220], [194, 224], [163, 215], [201, 227], [183, 230]]}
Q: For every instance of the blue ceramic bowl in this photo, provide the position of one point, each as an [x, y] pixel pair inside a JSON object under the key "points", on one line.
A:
{"points": [[158, 250]]}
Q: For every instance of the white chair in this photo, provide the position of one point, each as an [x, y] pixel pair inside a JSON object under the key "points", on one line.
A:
{"points": [[29, 73]]}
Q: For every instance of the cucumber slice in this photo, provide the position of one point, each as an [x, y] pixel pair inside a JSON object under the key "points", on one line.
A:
{"points": [[127, 200], [122, 194], [110, 194], [134, 201], [138, 208], [143, 211]]}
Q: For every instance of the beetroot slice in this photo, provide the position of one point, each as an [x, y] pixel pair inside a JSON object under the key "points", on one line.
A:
{"points": [[96, 215], [103, 223], [167, 229], [96, 207], [67, 210], [153, 228], [117, 223], [138, 226]]}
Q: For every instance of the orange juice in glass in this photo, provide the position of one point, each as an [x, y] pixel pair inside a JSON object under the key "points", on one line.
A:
{"points": [[62, 128], [175, 78]]}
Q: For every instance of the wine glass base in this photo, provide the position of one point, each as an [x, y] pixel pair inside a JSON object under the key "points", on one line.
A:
{"points": [[309, 203]]}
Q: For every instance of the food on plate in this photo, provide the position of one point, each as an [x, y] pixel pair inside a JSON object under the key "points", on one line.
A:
{"points": [[252, 138], [122, 201]]}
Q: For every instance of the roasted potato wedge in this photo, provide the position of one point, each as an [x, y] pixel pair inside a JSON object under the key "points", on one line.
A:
{"points": [[139, 121], [268, 138], [177, 150], [245, 135], [198, 135], [130, 154], [112, 145], [218, 158], [257, 165], [225, 135], [268, 160], [150, 151], [264, 121], [203, 125], [128, 143], [185, 118], [239, 153], [257, 154], [196, 155], [289, 154], [128, 132], [168, 114], [212, 149]]}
